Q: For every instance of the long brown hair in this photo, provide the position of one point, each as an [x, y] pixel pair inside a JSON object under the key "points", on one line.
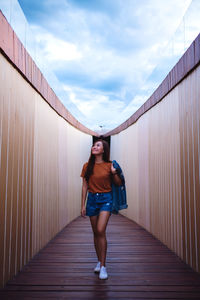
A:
{"points": [[91, 161]]}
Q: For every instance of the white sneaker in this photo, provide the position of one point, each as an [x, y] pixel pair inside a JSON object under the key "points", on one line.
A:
{"points": [[98, 267], [103, 273]]}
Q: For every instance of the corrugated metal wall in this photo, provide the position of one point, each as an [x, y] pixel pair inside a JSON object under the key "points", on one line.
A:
{"points": [[41, 157], [160, 156]]}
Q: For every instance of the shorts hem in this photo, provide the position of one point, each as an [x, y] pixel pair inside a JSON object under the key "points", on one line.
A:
{"points": [[98, 213]]}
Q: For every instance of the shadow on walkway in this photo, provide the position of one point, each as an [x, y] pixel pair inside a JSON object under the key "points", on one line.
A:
{"points": [[139, 267]]}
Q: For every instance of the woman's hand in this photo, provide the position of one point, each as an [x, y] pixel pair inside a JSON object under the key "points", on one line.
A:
{"points": [[113, 170], [116, 178], [83, 212]]}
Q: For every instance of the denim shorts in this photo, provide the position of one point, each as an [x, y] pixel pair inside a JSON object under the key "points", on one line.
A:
{"points": [[98, 202]]}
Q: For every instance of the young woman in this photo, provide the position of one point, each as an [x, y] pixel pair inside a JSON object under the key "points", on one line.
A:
{"points": [[98, 174]]}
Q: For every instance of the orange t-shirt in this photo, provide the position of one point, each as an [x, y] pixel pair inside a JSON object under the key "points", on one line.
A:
{"points": [[100, 180]]}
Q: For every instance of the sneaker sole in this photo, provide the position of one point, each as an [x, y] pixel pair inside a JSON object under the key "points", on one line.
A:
{"points": [[103, 278]]}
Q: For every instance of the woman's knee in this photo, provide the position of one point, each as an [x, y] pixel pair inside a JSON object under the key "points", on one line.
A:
{"points": [[100, 231]]}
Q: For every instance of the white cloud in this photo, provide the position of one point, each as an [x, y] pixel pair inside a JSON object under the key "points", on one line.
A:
{"points": [[55, 49], [104, 55], [98, 109]]}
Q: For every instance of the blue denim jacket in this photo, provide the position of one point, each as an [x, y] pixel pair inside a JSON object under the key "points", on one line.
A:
{"points": [[118, 192]]}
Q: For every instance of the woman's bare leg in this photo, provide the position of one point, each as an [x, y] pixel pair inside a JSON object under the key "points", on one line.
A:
{"points": [[93, 221], [101, 235]]}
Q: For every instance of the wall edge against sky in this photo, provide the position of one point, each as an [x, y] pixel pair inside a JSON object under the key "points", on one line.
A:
{"points": [[186, 64], [12, 48], [14, 51]]}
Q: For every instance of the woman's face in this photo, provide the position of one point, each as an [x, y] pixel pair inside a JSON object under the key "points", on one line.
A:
{"points": [[97, 148]]}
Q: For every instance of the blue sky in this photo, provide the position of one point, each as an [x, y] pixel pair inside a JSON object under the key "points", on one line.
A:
{"points": [[103, 51]]}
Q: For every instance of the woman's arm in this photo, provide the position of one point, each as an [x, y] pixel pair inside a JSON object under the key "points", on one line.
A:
{"points": [[115, 176], [83, 197]]}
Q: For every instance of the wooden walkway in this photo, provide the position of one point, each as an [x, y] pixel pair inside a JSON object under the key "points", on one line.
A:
{"points": [[139, 267]]}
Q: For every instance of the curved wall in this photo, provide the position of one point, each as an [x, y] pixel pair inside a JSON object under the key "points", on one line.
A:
{"points": [[160, 156], [42, 150]]}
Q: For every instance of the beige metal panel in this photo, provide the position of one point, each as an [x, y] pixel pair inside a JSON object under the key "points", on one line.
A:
{"points": [[143, 172], [16, 172], [41, 160], [163, 164], [45, 176], [63, 163], [78, 145], [160, 156], [189, 109], [3, 176]]}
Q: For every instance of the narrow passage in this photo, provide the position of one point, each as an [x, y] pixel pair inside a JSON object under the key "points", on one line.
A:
{"points": [[139, 267]]}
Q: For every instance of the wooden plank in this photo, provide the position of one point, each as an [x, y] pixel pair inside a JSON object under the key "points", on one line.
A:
{"points": [[99, 295], [140, 268]]}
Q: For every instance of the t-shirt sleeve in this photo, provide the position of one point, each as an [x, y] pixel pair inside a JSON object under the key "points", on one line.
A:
{"points": [[83, 170]]}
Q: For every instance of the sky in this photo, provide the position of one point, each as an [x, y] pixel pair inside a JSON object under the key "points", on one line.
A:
{"points": [[102, 52]]}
